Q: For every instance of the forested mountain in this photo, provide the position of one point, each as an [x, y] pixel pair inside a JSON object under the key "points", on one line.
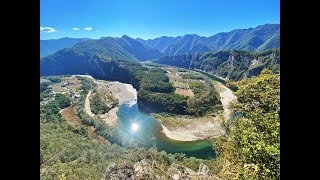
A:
{"points": [[119, 48], [261, 38], [190, 43], [53, 45], [227, 64]]}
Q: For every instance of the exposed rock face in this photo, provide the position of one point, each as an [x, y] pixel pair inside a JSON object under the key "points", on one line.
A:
{"points": [[233, 65], [178, 172], [145, 170], [115, 172], [203, 169]]}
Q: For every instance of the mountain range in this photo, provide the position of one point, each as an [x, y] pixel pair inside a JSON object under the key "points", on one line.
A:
{"points": [[261, 38], [224, 54]]}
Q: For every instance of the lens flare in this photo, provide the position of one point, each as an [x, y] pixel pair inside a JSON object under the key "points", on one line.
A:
{"points": [[134, 127]]}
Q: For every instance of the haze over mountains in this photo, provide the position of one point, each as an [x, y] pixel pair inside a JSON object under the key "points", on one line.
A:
{"points": [[261, 38], [51, 46]]}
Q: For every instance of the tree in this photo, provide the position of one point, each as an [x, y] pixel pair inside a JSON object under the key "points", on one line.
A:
{"points": [[62, 100], [252, 150]]}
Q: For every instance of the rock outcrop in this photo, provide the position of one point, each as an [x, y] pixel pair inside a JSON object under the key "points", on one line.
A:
{"points": [[146, 169]]}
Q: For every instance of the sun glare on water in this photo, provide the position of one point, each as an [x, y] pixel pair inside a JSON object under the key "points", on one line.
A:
{"points": [[134, 127]]}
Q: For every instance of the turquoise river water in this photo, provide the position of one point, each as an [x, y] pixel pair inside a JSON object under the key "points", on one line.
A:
{"points": [[145, 131]]}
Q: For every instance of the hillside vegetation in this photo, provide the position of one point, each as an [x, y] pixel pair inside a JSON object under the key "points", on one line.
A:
{"points": [[67, 151], [252, 148], [233, 65], [155, 92]]}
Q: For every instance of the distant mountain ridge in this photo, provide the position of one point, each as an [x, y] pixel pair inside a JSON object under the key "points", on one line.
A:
{"points": [[77, 59], [124, 48], [118, 48], [51, 46], [261, 38]]}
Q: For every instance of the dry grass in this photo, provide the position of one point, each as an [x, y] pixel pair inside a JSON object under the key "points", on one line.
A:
{"points": [[73, 83], [184, 92], [70, 114], [56, 87]]}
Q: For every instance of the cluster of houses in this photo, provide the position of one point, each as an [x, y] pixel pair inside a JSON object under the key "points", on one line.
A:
{"points": [[65, 90], [73, 94]]}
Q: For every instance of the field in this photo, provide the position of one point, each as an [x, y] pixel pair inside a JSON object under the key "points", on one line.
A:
{"points": [[178, 82], [184, 92], [70, 114], [67, 83]]}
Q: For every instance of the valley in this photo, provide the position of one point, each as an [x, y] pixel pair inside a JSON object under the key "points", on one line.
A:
{"points": [[188, 128], [181, 128], [114, 104]]}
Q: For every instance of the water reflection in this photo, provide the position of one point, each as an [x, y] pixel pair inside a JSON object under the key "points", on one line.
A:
{"points": [[144, 130], [134, 127]]}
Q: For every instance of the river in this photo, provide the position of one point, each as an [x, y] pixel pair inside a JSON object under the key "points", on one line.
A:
{"points": [[144, 130], [135, 126]]}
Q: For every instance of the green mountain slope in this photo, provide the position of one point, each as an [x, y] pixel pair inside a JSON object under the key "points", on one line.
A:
{"points": [[121, 48]]}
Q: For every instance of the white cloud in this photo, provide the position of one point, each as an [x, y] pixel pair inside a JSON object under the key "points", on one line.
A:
{"points": [[88, 28], [76, 29], [47, 29]]}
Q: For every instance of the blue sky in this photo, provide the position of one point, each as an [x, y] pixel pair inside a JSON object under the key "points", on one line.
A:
{"points": [[152, 18]]}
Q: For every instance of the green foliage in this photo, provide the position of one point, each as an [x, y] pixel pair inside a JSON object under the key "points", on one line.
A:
{"points": [[156, 94], [161, 102], [62, 100], [205, 99], [86, 84], [98, 106], [191, 76], [231, 85], [50, 111], [156, 81], [44, 86], [54, 79], [69, 152], [253, 148], [45, 90], [211, 76]]}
